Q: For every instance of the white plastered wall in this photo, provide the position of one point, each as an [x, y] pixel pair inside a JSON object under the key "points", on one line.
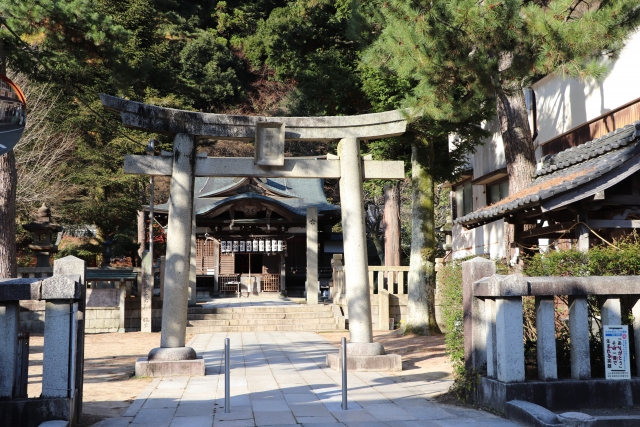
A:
{"points": [[565, 103], [562, 104]]}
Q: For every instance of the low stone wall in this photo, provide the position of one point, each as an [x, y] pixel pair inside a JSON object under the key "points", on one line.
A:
{"points": [[397, 309], [97, 320]]}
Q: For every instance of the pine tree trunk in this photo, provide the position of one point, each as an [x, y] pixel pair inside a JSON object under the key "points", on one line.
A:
{"points": [[518, 147], [391, 224], [421, 317], [8, 183]]}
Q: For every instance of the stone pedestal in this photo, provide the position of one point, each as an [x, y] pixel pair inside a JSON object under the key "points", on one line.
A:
{"points": [[365, 357]]}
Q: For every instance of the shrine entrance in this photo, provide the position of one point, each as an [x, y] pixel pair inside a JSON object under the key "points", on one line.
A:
{"points": [[269, 135]]}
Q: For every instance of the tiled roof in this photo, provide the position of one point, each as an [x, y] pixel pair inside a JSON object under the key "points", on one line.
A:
{"points": [[297, 194], [564, 171]]}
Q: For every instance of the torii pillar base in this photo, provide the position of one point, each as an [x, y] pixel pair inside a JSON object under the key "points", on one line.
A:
{"points": [[364, 357]]}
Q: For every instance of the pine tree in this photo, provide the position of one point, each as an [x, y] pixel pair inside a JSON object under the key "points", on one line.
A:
{"points": [[463, 55]]}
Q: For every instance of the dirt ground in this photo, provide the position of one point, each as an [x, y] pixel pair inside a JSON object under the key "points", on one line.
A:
{"points": [[110, 387], [109, 384]]}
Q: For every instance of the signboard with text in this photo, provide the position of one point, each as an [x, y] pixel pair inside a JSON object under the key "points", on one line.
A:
{"points": [[615, 341]]}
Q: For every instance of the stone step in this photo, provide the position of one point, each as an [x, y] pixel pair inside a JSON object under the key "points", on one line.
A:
{"points": [[261, 309], [258, 322], [260, 328], [252, 315]]}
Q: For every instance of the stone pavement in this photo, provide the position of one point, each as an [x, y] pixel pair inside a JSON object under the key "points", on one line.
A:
{"points": [[279, 379]]}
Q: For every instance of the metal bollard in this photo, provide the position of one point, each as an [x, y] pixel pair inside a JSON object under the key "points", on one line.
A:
{"points": [[227, 380], [344, 373]]}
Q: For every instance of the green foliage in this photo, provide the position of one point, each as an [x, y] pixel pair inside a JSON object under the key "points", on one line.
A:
{"points": [[460, 53], [208, 62], [450, 291], [621, 259]]}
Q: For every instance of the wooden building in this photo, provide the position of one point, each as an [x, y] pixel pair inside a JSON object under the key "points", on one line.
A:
{"points": [[252, 232]]}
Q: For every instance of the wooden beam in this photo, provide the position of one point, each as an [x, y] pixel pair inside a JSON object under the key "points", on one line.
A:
{"points": [[243, 166], [622, 199], [539, 231], [613, 223]]}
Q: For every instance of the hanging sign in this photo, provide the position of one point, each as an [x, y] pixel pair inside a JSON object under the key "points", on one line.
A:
{"points": [[235, 246], [261, 246], [13, 114], [615, 341], [248, 245], [267, 246], [241, 245]]}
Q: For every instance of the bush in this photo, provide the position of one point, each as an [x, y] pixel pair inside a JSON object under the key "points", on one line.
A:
{"points": [[450, 284]]}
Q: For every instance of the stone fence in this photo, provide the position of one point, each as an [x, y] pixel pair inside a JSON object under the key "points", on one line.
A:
{"points": [[388, 289], [494, 346], [63, 295], [113, 304]]}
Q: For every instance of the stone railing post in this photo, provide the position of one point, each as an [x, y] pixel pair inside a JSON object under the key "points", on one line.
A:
{"points": [[579, 338], [490, 331], [610, 311], [546, 342], [509, 339], [10, 326], [63, 358], [474, 334]]}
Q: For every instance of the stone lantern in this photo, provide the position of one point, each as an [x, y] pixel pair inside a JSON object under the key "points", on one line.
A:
{"points": [[43, 240]]}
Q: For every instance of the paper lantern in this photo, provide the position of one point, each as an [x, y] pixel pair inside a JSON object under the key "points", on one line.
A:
{"points": [[274, 245], [241, 245], [280, 244], [248, 247], [255, 246], [261, 246], [235, 246], [267, 246]]}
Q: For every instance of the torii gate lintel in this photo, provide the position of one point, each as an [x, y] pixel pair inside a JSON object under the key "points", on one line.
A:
{"points": [[184, 165]]}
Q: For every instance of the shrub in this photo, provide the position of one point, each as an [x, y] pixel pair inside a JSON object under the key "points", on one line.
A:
{"points": [[450, 284]]}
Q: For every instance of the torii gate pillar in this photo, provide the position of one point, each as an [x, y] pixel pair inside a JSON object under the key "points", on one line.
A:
{"points": [[355, 241]]}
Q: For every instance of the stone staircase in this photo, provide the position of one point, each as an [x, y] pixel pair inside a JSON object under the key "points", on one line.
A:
{"points": [[298, 317]]}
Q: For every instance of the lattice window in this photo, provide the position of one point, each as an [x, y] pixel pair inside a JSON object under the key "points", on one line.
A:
{"points": [[270, 283], [223, 281]]}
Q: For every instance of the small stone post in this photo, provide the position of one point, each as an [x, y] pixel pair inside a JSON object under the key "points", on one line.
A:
{"points": [[474, 334], [546, 330], [355, 244], [312, 256], [176, 282], [10, 326], [146, 293], [509, 339], [579, 338], [121, 306]]}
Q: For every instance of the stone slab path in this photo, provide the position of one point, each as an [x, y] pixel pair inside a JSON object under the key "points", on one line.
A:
{"points": [[280, 379]]}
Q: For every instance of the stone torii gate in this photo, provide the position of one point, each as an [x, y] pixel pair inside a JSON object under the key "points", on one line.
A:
{"points": [[269, 134]]}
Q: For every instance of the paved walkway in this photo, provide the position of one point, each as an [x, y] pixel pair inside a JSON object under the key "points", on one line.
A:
{"points": [[279, 379]]}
